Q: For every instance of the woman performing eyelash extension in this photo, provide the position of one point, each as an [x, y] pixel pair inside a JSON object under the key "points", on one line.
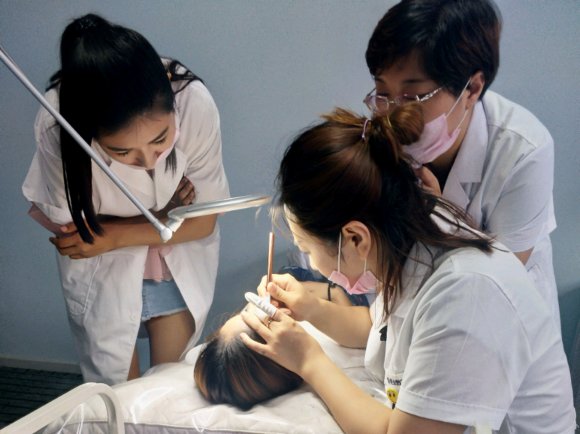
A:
{"points": [[457, 332]]}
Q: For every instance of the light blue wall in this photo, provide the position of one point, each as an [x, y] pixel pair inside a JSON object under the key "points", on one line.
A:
{"points": [[272, 67]]}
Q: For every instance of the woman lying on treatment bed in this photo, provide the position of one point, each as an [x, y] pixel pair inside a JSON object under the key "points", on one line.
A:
{"points": [[458, 334], [228, 372]]}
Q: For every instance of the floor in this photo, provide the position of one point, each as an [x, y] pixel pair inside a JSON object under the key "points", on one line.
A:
{"points": [[24, 390]]}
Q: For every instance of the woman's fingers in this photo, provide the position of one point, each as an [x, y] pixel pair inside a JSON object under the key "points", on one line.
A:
{"points": [[285, 311], [186, 195], [262, 291], [255, 324], [68, 228], [264, 328], [285, 341], [429, 181], [262, 287], [192, 192], [63, 243], [277, 292], [187, 191], [254, 346]]}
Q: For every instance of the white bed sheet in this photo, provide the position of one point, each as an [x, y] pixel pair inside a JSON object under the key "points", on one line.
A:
{"points": [[165, 400]]}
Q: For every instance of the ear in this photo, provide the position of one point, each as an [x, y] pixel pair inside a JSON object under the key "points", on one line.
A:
{"points": [[357, 237], [474, 89]]}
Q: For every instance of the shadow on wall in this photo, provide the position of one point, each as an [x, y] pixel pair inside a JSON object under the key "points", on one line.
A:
{"points": [[570, 317]]}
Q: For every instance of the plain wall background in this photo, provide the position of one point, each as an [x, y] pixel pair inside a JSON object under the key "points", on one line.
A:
{"points": [[272, 67]]}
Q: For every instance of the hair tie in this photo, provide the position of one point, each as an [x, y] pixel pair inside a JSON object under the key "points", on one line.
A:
{"points": [[363, 135], [87, 22]]}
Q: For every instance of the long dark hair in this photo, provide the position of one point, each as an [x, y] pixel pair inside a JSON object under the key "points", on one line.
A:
{"points": [[228, 372], [453, 38], [331, 174], [109, 74]]}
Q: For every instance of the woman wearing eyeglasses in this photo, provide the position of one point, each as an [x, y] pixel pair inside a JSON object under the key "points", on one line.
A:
{"points": [[479, 150]]}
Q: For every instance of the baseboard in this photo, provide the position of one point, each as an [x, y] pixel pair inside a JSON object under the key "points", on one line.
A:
{"points": [[43, 365]]}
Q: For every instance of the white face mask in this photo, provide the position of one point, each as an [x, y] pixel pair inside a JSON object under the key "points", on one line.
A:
{"points": [[365, 284], [435, 139]]}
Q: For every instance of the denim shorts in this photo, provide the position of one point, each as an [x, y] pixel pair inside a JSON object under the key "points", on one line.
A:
{"points": [[161, 299]]}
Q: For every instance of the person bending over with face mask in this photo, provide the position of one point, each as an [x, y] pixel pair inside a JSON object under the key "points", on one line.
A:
{"points": [[457, 333], [156, 126], [488, 155], [228, 372]]}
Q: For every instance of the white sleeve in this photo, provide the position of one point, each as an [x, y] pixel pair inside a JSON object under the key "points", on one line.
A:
{"points": [[200, 140], [463, 367], [524, 213], [44, 184]]}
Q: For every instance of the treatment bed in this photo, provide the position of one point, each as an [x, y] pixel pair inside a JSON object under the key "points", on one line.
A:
{"points": [[165, 400]]}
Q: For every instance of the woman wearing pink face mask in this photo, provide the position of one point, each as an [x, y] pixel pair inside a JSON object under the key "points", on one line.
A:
{"points": [[488, 155], [157, 127], [457, 334]]}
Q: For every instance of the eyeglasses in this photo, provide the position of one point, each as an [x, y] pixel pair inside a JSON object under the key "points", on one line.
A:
{"points": [[381, 104]]}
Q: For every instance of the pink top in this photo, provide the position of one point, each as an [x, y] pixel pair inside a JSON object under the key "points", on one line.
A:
{"points": [[155, 265]]}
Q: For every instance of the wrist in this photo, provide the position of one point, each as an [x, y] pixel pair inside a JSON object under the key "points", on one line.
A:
{"points": [[316, 310], [113, 235], [314, 365]]}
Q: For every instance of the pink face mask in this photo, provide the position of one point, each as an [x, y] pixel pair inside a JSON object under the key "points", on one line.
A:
{"points": [[163, 156], [366, 283], [435, 139]]}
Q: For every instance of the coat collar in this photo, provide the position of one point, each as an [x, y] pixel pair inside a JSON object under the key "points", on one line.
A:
{"points": [[470, 160]]}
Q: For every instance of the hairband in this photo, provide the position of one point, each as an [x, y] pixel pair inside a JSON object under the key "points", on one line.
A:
{"points": [[363, 135], [86, 23]]}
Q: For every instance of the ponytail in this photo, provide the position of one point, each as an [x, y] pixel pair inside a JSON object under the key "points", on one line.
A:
{"points": [[109, 75], [386, 135], [352, 168]]}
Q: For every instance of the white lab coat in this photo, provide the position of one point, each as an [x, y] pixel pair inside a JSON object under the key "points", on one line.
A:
{"points": [[503, 177], [472, 343], [103, 293]]}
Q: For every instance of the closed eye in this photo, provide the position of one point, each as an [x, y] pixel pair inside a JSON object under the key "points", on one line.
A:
{"points": [[159, 141], [161, 137]]}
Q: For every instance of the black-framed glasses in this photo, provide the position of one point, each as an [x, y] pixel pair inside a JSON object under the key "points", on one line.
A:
{"points": [[381, 103]]}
